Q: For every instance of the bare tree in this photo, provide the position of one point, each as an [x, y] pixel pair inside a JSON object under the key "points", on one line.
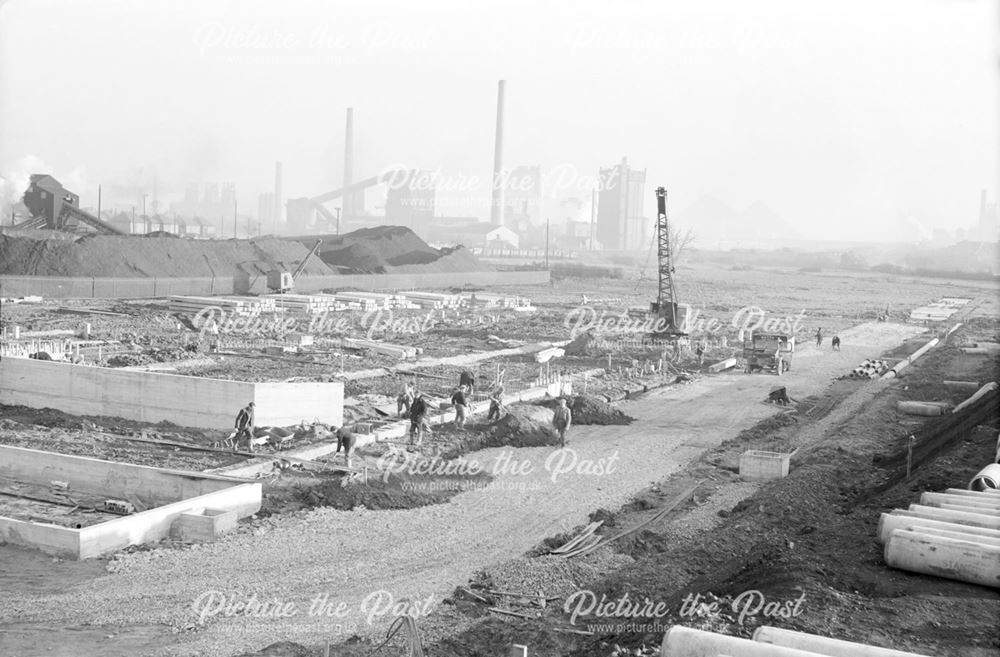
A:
{"points": [[680, 241]]}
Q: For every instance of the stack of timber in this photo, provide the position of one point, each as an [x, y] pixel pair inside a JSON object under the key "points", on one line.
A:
{"points": [[376, 300], [499, 301], [434, 300], [306, 303], [939, 310], [394, 350], [244, 306]]}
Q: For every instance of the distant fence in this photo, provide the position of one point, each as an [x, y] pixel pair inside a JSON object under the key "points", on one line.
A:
{"points": [[146, 288]]}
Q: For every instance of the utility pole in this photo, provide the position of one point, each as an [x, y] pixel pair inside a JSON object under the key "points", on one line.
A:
{"points": [[546, 243], [98, 201], [337, 210], [593, 216]]}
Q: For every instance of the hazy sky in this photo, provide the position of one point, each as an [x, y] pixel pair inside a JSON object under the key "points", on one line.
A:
{"points": [[847, 113]]}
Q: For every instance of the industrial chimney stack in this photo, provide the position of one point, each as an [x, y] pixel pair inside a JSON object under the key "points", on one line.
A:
{"points": [[279, 205], [497, 206], [349, 200]]}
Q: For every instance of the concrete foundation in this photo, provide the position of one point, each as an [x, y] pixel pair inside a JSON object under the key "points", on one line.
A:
{"points": [[170, 493], [189, 401]]}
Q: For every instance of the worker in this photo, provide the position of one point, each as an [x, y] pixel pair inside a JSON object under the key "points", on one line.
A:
{"points": [[700, 351], [418, 413], [404, 400], [461, 406], [562, 418], [346, 439], [496, 404], [244, 426], [778, 362], [467, 379], [836, 343], [819, 336]]}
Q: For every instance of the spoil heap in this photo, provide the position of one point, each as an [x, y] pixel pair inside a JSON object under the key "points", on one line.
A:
{"points": [[130, 256], [389, 249], [385, 249]]}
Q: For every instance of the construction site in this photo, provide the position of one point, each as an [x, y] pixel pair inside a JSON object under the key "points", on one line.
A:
{"points": [[835, 455], [373, 429]]}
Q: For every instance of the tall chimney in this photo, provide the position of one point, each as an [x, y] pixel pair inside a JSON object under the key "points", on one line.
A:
{"points": [[496, 208], [279, 206], [348, 200]]}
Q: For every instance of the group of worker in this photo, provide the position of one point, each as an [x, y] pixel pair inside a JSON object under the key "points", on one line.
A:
{"points": [[411, 404], [835, 342]]}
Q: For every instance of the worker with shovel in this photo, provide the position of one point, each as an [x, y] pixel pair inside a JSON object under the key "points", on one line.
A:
{"points": [[346, 439], [244, 427], [461, 406], [562, 418], [496, 404], [418, 419]]}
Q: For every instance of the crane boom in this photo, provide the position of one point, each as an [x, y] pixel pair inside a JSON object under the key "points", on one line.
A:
{"points": [[665, 306], [302, 265]]}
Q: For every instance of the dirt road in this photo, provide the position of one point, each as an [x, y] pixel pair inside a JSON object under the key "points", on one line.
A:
{"points": [[368, 561]]}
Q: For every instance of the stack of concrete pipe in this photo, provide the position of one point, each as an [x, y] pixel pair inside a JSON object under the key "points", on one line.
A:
{"points": [[954, 534], [870, 369], [682, 641]]}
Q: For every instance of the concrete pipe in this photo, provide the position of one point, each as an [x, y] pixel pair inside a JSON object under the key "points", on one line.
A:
{"points": [[937, 499], [958, 536], [992, 385], [988, 494], [682, 641], [976, 351], [960, 517], [987, 479], [964, 386], [822, 645], [969, 509], [918, 408], [906, 520], [898, 367], [964, 561]]}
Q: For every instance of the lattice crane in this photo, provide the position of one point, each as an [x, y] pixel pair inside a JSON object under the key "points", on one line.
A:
{"points": [[665, 306]]}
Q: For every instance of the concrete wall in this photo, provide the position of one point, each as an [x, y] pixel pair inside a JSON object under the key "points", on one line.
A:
{"points": [[154, 524], [153, 486], [144, 396], [188, 401], [146, 288], [285, 404], [169, 493]]}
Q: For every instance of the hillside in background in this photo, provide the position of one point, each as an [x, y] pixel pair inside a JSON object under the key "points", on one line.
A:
{"points": [[720, 226]]}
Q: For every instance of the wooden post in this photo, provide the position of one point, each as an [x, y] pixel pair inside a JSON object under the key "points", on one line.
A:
{"points": [[909, 455]]}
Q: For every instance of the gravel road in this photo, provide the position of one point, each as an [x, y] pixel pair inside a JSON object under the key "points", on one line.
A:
{"points": [[368, 562]]}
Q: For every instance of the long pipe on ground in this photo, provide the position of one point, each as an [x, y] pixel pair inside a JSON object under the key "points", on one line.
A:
{"points": [[992, 385], [948, 515], [919, 408], [987, 479], [968, 386], [958, 536], [903, 520], [964, 561], [964, 507], [898, 367], [937, 499], [987, 494], [822, 645], [682, 641]]}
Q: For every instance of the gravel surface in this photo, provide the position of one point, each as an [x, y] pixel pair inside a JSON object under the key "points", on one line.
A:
{"points": [[362, 557]]}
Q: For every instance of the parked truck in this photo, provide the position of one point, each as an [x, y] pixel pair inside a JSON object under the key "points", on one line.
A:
{"points": [[770, 352]]}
